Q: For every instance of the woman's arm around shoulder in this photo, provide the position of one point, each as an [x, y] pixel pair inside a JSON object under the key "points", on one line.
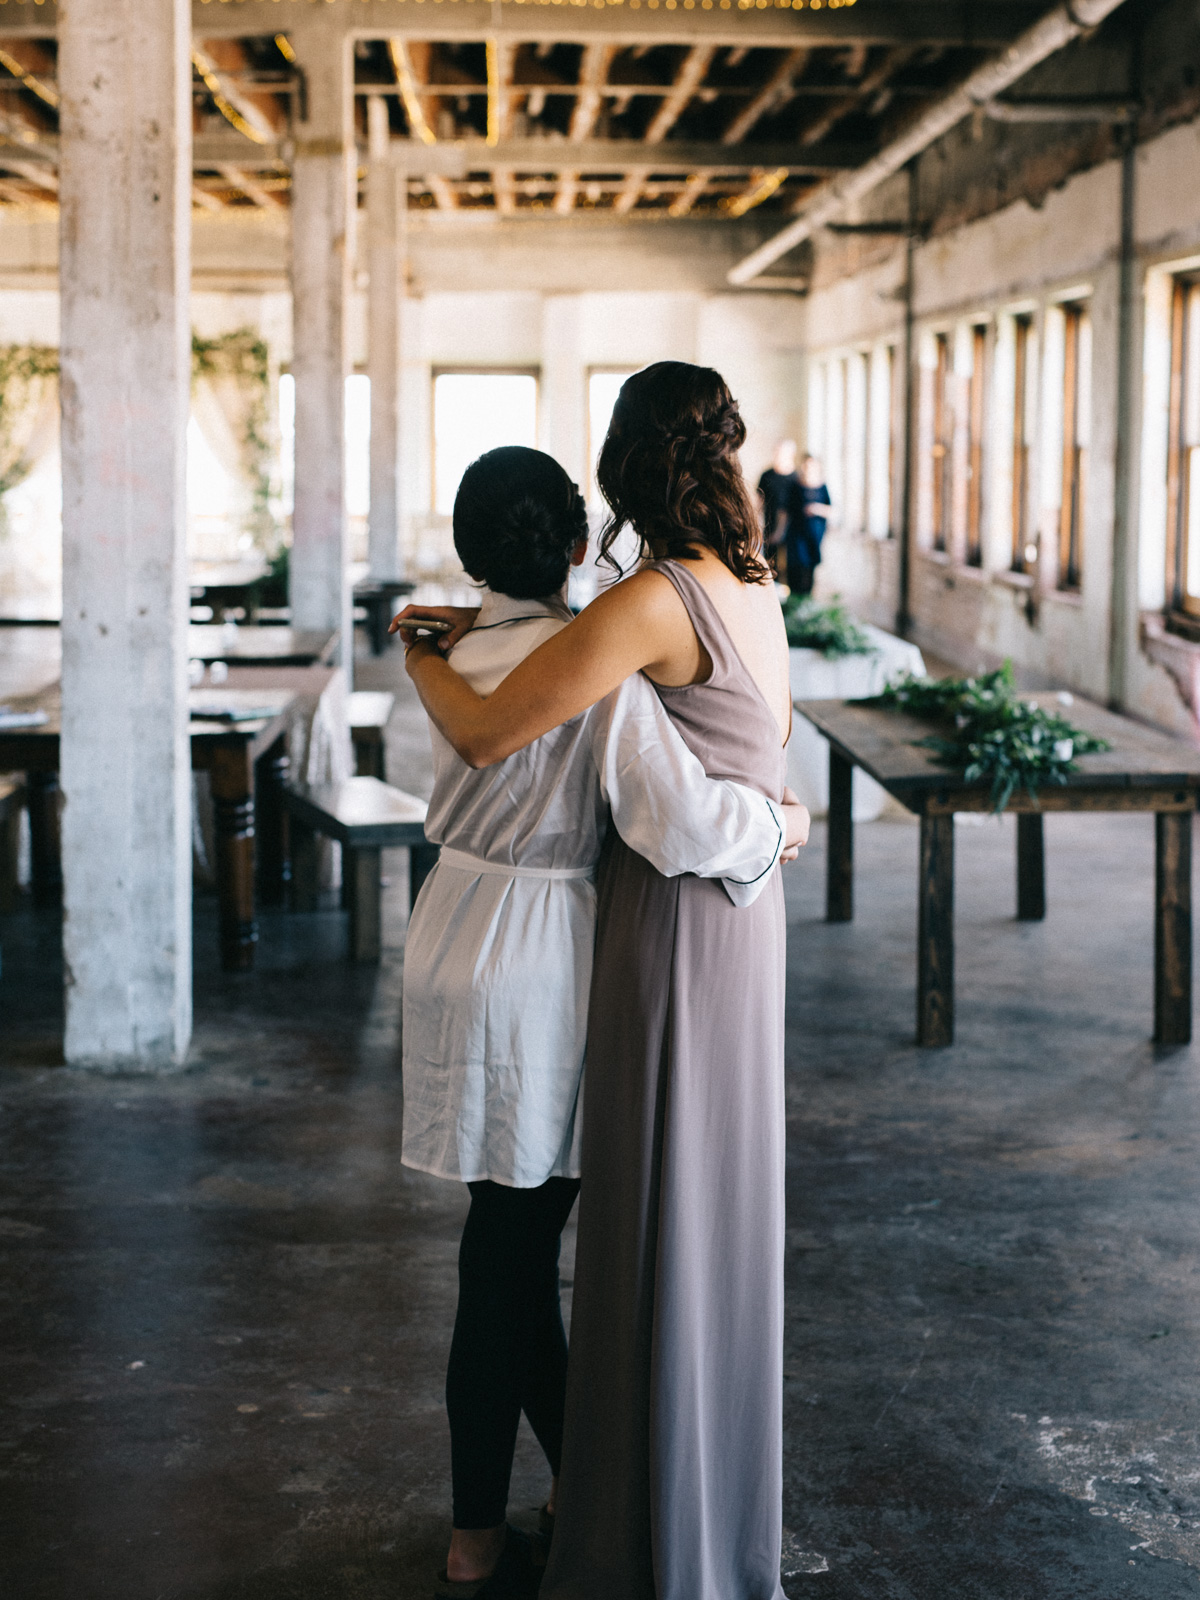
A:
{"points": [[638, 624]]}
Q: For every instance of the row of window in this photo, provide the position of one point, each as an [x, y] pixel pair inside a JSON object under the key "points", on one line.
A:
{"points": [[985, 409]]}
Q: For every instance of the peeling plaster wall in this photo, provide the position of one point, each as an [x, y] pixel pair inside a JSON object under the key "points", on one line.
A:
{"points": [[1032, 258]]}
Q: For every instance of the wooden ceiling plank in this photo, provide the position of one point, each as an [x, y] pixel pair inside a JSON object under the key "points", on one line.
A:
{"points": [[774, 93]]}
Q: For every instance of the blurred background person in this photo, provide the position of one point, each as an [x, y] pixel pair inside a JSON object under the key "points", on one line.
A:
{"points": [[806, 512], [775, 488]]}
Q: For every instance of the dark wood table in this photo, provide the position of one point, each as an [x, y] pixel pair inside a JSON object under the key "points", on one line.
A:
{"points": [[261, 646], [227, 584], [248, 768], [1144, 771], [378, 597]]}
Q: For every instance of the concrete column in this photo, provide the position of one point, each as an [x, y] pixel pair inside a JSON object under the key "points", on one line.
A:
{"points": [[387, 219], [324, 202], [562, 405], [125, 195]]}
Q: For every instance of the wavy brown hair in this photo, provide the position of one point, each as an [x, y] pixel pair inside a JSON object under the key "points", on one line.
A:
{"points": [[669, 470]]}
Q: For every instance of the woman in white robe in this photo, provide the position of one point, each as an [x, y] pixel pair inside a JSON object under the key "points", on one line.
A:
{"points": [[497, 970]]}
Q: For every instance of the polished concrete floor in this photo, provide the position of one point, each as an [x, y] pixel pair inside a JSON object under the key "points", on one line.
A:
{"points": [[225, 1306]]}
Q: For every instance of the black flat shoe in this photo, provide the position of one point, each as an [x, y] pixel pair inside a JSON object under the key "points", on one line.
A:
{"points": [[516, 1575]]}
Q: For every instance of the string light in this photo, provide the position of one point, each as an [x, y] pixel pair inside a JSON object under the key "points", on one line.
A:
{"points": [[634, 5], [27, 79], [229, 111], [493, 92], [766, 186], [408, 93]]}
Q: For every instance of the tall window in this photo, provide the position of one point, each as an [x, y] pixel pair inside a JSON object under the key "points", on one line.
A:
{"points": [[881, 443], [1024, 551], [474, 412], [1183, 450], [975, 419], [943, 438], [1077, 362], [604, 385]]}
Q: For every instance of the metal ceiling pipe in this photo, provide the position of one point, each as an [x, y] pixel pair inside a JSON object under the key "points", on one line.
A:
{"points": [[1056, 29]]}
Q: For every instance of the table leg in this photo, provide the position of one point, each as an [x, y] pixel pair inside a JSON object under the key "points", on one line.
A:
{"points": [[233, 807], [378, 617], [935, 933], [422, 858], [1173, 927], [1031, 867], [839, 866], [271, 823], [10, 833], [361, 870], [306, 866], [45, 837]]}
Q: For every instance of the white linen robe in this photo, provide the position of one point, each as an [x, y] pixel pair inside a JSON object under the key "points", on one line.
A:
{"points": [[498, 958]]}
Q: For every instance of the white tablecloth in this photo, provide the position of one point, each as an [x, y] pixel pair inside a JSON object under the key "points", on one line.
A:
{"points": [[844, 678]]}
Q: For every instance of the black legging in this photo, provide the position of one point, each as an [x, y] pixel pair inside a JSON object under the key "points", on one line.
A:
{"points": [[509, 1351]]}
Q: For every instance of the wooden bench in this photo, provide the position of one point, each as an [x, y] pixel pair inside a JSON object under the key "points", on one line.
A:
{"points": [[12, 798], [369, 713], [365, 816]]}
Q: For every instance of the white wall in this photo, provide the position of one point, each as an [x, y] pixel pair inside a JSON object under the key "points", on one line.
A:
{"points": [[1032, 259]]}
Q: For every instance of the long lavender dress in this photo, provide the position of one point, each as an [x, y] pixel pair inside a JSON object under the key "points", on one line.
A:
{"points": [[671, 1481]]}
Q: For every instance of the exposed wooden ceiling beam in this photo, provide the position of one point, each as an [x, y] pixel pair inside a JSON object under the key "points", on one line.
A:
{"points": [[42, 177], [597, 59], [237, 178], [774, 93], [870, 85], [688, 79], [689, 194], [243, 111], [620, 155], [948, 22], [443, 192]]}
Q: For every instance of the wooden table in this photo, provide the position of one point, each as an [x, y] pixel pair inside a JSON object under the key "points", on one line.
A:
{"points": [[233, 754], [378, 599], [1144, 771], [261, 647], [224, 584]]}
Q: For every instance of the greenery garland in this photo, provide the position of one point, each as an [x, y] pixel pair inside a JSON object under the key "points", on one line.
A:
{"points": [[244, 356], [827, 627], [241, 355], [20, 365], [992, 732]]}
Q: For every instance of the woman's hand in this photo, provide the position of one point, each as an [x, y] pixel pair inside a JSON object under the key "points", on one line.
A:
{"points": [[796, 823], [463, 618]]}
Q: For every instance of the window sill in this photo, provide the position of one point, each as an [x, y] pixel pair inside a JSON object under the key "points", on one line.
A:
{"points": [[1064, 597], [1180, 657], [1023, 581]]}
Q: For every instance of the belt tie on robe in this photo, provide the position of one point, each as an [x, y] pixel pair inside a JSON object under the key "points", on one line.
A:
{"points": [[498, 869]]}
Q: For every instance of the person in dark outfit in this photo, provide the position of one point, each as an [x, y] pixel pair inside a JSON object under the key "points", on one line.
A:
{"points": [[775, 489], [806, 511]]}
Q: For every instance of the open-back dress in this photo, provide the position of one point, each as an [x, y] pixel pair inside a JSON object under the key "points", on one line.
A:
{"points": [[671, 1482]]}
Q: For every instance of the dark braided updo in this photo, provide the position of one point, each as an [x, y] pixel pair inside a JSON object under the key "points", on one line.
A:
{"points": [[669, 469], [518, 518]]}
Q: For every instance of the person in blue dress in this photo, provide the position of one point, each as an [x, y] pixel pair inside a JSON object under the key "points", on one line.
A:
{"points": [[807, 509]]}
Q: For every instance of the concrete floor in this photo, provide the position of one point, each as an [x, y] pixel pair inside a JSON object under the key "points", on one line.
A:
{"points": [[225, 1307]]}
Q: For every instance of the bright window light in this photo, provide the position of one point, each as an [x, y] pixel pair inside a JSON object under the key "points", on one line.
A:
{"points": [[603, 389], [287, 441], [358, 442], [474, 412]]}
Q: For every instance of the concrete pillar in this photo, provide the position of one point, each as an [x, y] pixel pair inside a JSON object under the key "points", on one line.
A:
{"points": [[324, 202], [125, 196], [562, 405], [387, 218]]}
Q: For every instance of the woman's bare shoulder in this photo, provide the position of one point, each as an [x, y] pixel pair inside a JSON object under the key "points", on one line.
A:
{"points": [[644, 596]]}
